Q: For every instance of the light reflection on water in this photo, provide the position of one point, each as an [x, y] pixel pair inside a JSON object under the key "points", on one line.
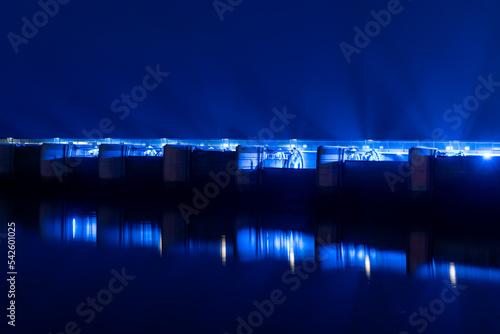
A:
{"points": [[132, 234], [458, 271], [249, 240], [81, 228], [221, 264], [255, 244], [363, 257]]}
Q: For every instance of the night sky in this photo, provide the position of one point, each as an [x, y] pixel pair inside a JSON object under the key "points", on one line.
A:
{"points": [[267, 64]]}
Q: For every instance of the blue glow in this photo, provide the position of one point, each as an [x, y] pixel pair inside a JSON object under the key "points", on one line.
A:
{"points": [[276, 153], [131, 234], [80, 228], [283, 158], [85, 229], [210, 247], [256, 244], [145, 234], [359, 256], [84, 151], [394, 87], [457, 272], [145, 151]]}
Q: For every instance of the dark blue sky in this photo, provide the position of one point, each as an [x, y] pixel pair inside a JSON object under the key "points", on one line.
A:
{"points": [[226, 77]]}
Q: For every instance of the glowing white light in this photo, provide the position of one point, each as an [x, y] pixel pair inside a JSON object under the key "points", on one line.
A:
{"points": [[160, 248], [292, 260], [381, 147], [453, 274], [223, 249], [467, 148], [449, 148], [487, 156], [304, 146], [367, 266], [74, 227]]}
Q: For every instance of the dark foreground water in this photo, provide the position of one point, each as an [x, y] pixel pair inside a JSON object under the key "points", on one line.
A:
{"points": [[124, 266]]}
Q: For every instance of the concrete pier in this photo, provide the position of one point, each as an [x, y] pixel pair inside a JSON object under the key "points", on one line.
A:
{"points": [[53, 166], [421, 172], [176, 160], [282, 173], [329, 168], [249, 178], [112, 165]]}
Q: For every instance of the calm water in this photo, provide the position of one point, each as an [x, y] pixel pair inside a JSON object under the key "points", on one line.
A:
{"points": [[102, 266]]}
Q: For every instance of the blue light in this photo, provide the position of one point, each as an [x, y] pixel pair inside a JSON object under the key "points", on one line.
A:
{"points": [[84, 228], [457, 272], [256, 244], [359, 256], [81, 228], [141, 234]]}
